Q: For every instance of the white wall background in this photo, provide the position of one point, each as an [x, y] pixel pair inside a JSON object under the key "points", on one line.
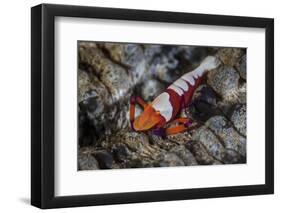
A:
{"points": [[15, 105]]}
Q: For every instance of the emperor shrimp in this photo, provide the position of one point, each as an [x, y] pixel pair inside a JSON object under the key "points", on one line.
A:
{"points": [[165, 107]]}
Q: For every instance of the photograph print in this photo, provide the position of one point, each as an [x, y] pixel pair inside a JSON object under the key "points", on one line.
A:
{"points": [[159, 105]]}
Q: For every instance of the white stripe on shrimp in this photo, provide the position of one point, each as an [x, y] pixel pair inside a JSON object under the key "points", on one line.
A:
{"points": [[189, 78], [209, 63], [163, 105], [181, 84], [178, 90]]}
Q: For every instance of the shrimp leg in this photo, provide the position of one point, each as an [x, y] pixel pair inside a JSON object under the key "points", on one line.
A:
{"points": [[184, 123], [133, 101]]}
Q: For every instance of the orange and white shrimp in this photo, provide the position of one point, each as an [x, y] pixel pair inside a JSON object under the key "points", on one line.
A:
{"points": [[166, 106]]}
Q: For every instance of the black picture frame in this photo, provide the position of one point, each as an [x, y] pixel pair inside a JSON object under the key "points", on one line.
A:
{"points": [[43, 102]]}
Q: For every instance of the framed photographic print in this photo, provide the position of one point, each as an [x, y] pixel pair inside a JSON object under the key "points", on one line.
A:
{"points": [[139, 106]]}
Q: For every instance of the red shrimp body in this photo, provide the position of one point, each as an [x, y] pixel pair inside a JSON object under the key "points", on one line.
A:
{"points": [[168, 104], [179, 94]]}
